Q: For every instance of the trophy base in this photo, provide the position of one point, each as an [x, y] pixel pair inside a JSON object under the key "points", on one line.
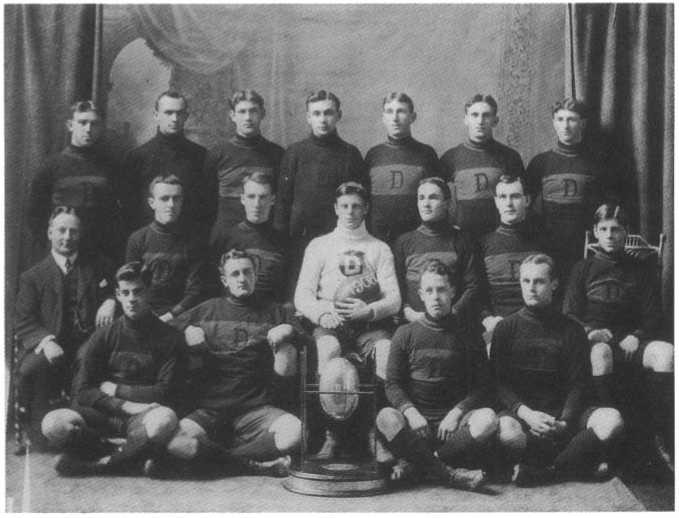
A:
{"points": [[335, 478]]}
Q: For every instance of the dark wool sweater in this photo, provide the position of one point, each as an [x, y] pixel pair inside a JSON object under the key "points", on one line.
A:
{"points": [[177, 262], [571, 184], [267, 246], [435, 367], [226, 166], [474, 170], [540, 359], [161, 156], [311, 170], [443, 242], [614, 292], [395, 169], [83, 178], [138, 356], [237, 358]]}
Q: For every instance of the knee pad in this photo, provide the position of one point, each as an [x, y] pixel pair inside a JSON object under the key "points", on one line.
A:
{"points": [[285, 360], [185, 443], [659, 356], [606, 423], [382, 348], [58, 425], [390, 422], [287, 432], [160, 423], [483, 423], [511, 434], [601, 358], [328, 347]]}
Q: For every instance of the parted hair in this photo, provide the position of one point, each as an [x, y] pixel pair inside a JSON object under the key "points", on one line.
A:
{"points": [[400, 97], [438, 182], [235, 253], [322, 95], [261, 177], [439, 268], [172, 94], [570, 104], [511, 178], [63, 209], [170, 179], [352, 188], [540, 259], [481, 98], [133, 271], [83, 107], [246, 95], [610, 211]]}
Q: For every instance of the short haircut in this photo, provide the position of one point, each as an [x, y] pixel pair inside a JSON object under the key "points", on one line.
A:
{"points": [[352, 188], [83, 107], [439, 268], [172, 94], [512, 178], [481, 98], [235, 253], [400, 97], [63, 209], [570, 104], [438, 182], [611, 211], [134, 271], [246, 95], [170, 179], [541, 259], [260, 177], [322, 95]]}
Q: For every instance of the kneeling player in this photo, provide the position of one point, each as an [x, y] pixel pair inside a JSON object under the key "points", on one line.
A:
{"points": [[243, 342], [539, 357], [124, 377], [614, 297], [436, 379]]}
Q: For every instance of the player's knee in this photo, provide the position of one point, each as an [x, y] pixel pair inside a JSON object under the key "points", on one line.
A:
{"points": [[483, 423], [510, 433], [287, 432], [58, 425], [601, 358], [606, 423], [185, 443], [285, 360], [382, 348], [160, 424], [328, 347], [659, 356], [390, 422]]}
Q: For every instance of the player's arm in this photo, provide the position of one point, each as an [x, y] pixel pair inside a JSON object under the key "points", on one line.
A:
{"points": [[500, 362], [306, 300], [390, 303], [575, 299], [574, 374], [466, 304]]}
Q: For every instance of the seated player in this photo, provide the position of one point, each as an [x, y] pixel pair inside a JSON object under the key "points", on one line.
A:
{"points": [[437, 377], [256, 236], [436, 238], [615, 298], [60, 301], [244, 343], [503, 250], [539, 358], [347, 288], [394, 170], [124, 378], [172, 253]]}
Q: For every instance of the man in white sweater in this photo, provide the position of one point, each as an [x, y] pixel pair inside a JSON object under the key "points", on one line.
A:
{"points": [[348, 288]]}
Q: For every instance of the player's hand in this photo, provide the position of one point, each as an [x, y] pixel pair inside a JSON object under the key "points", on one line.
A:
{"points": [[108, 388], [449, 424], [539, 423], [52, 351], [411, 315], [166, 317], [629, 345], [559, 428], [417, 422], [132, 408], [330, 321], [194, 336], [279, 334], [105, 313], [600, 336], [353, 309], [490, 322]]}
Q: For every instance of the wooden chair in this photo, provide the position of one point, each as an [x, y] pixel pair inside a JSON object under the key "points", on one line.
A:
{"points": [[635, 244]]}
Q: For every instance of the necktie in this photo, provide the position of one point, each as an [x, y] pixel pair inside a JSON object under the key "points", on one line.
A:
{"points": [[69, 266]]}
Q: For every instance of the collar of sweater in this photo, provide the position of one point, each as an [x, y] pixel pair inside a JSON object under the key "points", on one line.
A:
{"points": [[326, 140], [568, 150], [541, 314], [478, 146], [600, 253], [168, 228], [354, 234], [435, 228], [169, 140], [400, 142], [248, 142], [246, 301], [445, 323], [82, 151], [519, 228], [255, 227], [139, 324]]}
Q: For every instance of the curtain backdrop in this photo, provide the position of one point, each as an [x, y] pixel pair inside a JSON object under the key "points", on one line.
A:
{"points": [[49, 63], [622, 64]]}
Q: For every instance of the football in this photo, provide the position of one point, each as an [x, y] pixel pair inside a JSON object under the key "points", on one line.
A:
{"points": [[338, 385], [364, 287]]}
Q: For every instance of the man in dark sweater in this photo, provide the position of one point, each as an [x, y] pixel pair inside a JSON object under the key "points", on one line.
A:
{"points": [[168, 152], [394, 170], [244, 343], [437, 376], [567, 184], [256, 236], [174, 255], [124, 377], [60, 301], [244, 153], [615, 298], [81, 176], [473, 167], [502, 252], [539, 358], [436, 238]]}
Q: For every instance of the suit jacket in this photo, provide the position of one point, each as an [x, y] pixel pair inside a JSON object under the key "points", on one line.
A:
{"points": [[40, 302]]}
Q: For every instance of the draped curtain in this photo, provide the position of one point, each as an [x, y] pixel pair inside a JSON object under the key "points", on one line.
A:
{"points": [[622, 64]]}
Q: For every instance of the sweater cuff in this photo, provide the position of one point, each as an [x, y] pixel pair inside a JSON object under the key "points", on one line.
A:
{"points": [[405, 406]]}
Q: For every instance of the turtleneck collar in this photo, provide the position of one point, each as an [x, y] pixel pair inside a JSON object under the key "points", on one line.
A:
{"points": [[169, 228], [249, 225], [249, 142], [478, 146], [435, 228], [354, 234], [169, 139], [439, 324], [326, 140], [600, 253], [519, 228], [403, 141], [541, 314], [139, 324], [84, 151], [241, 301], [568, 150]]}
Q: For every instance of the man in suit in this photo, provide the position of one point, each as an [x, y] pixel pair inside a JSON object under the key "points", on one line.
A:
{"points": [[60, 301]]}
